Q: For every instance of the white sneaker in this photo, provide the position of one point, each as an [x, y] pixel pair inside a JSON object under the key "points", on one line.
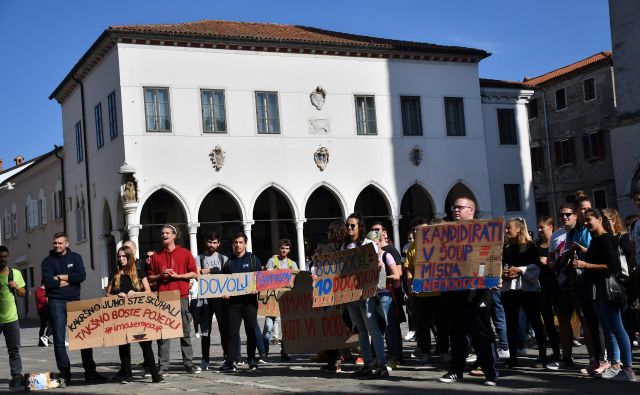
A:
{"points": [[411, 336], [198, 335], [472, 358], [504, 354], [66, 343], [625, 374], [44, 340], [611, 372]]}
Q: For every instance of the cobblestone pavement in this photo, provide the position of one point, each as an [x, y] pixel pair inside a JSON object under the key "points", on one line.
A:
{"points": [[301, 376]]}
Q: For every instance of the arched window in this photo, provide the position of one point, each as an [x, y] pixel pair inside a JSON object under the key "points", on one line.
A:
{"points": [[58, 212], [14, 220], [81, 226], [6, 224]]}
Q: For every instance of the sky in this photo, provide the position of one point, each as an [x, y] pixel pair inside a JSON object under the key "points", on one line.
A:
{"points": [[42, 40]]}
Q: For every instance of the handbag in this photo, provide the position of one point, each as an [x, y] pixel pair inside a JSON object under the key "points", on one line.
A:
{"points": [[616, 291]]}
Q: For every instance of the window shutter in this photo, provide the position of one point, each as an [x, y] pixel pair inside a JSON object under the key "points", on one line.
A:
{"points": [[572, 151], [43, 214], [602, 150], [557, 146], [585, 147]]}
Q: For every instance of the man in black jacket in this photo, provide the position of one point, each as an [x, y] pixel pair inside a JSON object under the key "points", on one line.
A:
{"points": [[62, 273]]}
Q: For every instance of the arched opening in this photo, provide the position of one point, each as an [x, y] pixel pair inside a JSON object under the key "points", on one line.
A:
{"points": [[159, 209], [415, 203], [457, 191], [321, 209], [219, 213], [373, 207], [109, 240], [273, 220]]}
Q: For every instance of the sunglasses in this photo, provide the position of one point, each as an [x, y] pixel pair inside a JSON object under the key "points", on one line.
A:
{"points": [[566, 215], [376, 230], [352, 226], [454, 208]]}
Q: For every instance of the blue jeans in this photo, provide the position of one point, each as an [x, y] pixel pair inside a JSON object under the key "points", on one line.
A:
{"points": [[58, 316], [610, 318], [260, 342], [363, 315], [11, 332], [267, 333], [392, 331], [499, 320]]}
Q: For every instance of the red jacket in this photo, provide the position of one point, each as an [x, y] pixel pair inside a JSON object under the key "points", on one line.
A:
{"points": [[181, 261], [41, 299]]}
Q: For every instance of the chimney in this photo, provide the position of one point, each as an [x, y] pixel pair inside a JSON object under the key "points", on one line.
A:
{"points": [[18, 159]]}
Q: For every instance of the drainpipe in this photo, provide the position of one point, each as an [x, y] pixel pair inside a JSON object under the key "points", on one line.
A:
{"points": [[64, 195], [546, 131], [86, 168]]}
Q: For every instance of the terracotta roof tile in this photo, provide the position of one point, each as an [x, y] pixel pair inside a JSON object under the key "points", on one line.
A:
{"points": [[599, 57]]}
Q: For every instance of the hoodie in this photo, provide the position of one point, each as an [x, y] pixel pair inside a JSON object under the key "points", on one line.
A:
{"points": [[181, 261], [70, 264]]}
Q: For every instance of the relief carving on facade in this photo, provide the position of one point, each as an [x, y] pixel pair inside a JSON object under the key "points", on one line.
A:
{"points": [[415, 155], [318, 97], [321, 158], [217, 157]]}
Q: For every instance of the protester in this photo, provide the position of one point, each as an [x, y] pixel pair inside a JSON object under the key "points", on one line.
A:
{"points": [[411, 334], [470, 312], [520, 287], [62, 272], [43, 315], [11, 286], [241, 308], [601, 261], [171, 268], [128, 281], [212, 262], [277, 262]]}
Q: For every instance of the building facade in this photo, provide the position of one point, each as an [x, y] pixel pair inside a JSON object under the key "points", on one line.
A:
{"points": [[276, 131]]}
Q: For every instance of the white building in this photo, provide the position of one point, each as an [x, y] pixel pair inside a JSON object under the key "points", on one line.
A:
{"points": [[32, 209], [312, 125]]}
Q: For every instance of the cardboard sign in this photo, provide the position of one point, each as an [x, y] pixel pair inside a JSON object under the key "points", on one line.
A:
{"points": [[458, 255], [345, 276], [306, 329], [112, 321], [219, 285], [274, 279], [268, 303]]}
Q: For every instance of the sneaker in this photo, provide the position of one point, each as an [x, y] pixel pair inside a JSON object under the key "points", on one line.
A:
{"points": [[126, 380], [260, 361], [566, 363], [625, 374], [392, 364], [284, 357], [16, 384], [253, 365], [226, 367], [94, 376], [362, 371], [411, 336], [198, 335], [240, 363], [159, 380], [576, 343], [204, 365], [383, 373], [193, 369], [359, 361], [335, 367], [472, 358], [424, 360], [490, 383], [603, 365], [45, 341], [503, 354], [146, 373], [610, 373], [476, 373], [450, 378], [445, 357], [163, 373], [591, 368]]}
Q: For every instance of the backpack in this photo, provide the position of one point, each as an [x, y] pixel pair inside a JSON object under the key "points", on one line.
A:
{"points": [[13, 292]]}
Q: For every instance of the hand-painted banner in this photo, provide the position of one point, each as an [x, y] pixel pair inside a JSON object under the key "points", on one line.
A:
{"points": [[268, 303], [458, 255], [345, 276], [306, 329], [273, 279], [219, 285], [112, 321]]}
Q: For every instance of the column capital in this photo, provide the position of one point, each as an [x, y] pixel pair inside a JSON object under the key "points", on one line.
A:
{"points": [[134, 228], [193, 227], [395, 220], [300, 222]]}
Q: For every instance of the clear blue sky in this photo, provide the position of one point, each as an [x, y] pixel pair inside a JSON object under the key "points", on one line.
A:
{"points": [[42, 40]]}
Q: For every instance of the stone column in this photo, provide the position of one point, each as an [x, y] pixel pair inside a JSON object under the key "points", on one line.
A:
{"points": [[193, 240], [133, 231], [302, 264], [395, 223], [247, 231], [131, 225]]}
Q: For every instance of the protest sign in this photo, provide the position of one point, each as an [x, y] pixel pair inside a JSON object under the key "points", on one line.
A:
{"points": [[112, 321], [218, 285], [307, 329], [458, 255], [268, 303], [345, 276], [273, 279]]}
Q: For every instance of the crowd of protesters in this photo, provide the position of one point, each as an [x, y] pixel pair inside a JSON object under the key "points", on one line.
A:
{"points": [[584, 267]]}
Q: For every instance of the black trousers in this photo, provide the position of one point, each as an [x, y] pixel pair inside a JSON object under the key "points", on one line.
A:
{"points": [[469, 313], [425, 309], [529, 301], [218, 308], [242, 309], [44, 324], [147, 352], [547, 300]]}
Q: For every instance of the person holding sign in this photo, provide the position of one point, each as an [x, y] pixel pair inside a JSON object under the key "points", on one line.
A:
{"points": [[128, 281], [62, 273], [171, 268], [241, 308]]}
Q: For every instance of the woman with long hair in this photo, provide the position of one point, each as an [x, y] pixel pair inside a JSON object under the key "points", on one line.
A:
{"points": [[600, 261], [521, 287], [129, 281]]}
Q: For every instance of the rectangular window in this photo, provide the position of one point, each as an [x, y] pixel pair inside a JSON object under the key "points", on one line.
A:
{"points": [[58, 200], [113, 120], [537, 158], [532, 108], [593, 146], [512, 197], [565, 152], [97, 113], [267, 112], [411, 115], [79, 142], [366, 115], [561, 99], [600, 198], [507, 126], [157, 111], [589, 89], [454, 113], [213, 113]]}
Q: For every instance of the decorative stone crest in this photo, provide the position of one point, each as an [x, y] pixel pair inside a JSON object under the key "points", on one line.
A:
{"points": [[217, 157], [321, 157], [318, 97], [415, 155]]}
